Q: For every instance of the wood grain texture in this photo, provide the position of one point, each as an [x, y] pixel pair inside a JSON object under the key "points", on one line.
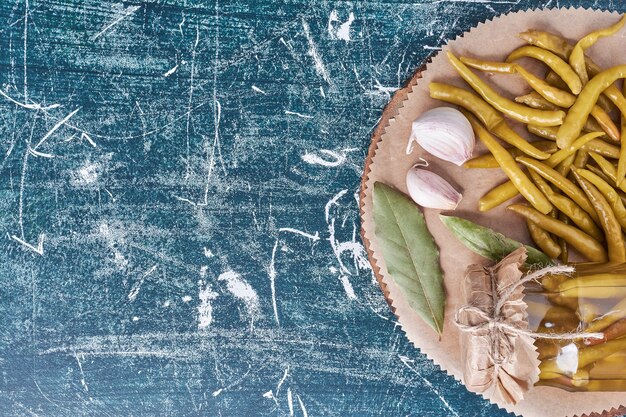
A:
{"points": [[180, 227]]}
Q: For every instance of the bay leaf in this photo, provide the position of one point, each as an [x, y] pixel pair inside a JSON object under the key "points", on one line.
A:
{"points": [[410, 253], [489, 243]]}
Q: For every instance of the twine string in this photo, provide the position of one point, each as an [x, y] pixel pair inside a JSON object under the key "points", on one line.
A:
{"points": [[495, 323]]}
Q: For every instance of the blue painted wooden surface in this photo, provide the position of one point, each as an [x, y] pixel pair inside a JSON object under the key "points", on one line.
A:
{"points": [[179, 229]]}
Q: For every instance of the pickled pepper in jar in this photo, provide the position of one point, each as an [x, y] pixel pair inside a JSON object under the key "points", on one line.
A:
{"points": [[590, 301]]}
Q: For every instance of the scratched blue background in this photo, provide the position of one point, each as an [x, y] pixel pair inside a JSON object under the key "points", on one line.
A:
{"points": [[179, 229]]}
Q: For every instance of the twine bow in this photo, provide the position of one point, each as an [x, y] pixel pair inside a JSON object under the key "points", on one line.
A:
{"points": [[496, 344], [494, 322]]}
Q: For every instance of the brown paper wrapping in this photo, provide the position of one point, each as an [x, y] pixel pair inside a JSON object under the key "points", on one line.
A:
{"points": [[499, 362], [388, 163]]}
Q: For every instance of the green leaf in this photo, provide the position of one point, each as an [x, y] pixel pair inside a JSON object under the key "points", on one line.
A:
{"points": [[410, 253], [490, 244]]}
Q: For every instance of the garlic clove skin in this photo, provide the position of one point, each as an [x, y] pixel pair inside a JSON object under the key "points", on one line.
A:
{"points": [[445, 133], [428, 189]]}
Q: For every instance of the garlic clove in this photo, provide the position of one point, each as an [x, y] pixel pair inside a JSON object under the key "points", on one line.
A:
{"points": [[445, 133], [430, 190]]}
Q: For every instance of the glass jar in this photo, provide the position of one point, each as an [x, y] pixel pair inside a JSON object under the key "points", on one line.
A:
{"points": [[592, 300]]}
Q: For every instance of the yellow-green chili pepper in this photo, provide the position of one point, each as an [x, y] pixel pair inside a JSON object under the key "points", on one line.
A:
{"points": [[564, 258], [615, 96], [605, 103], [556, 64], [468, 100], [553, 79], [562, 242], [523, 184], [543, 239], [564, 167], [591, 125], [602, 119], [486, 114], [582, 157], [562, 98], [608, 220], [489, 66], [596, 145], [546, 132], [621, 166], [568, 187], [577, 56], [565, 157], [548, 41], [510, 108], [578, 113], [563, 49], [603, 100], [612, 92], [598, 172], [568, 208], [602, 148], [554, 95], [608, 169], [488, 161], [606, 123], [611, 195], [585, 244], [534, 100], [497, 196], [560, 155], [615, 312]]}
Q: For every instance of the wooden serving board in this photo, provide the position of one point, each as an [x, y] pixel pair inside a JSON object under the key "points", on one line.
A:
{"points": [[392, 132]]}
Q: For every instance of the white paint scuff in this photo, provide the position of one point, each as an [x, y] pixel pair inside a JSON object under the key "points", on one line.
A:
{"points": [[290, 401], [132, 295], [337, 30], [243, 291], [314, 237], [86, 137], [55, 128], [37, 250], [295, 113], [87, 174], [407, 362], [347, 286], [271, 272], [205, 309], [120, 15], [171, 71], [271, 269], [282, 380], [258, 90], [83, 381], [313, 53], [353, 247], [302, 407], [327, 158]]}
